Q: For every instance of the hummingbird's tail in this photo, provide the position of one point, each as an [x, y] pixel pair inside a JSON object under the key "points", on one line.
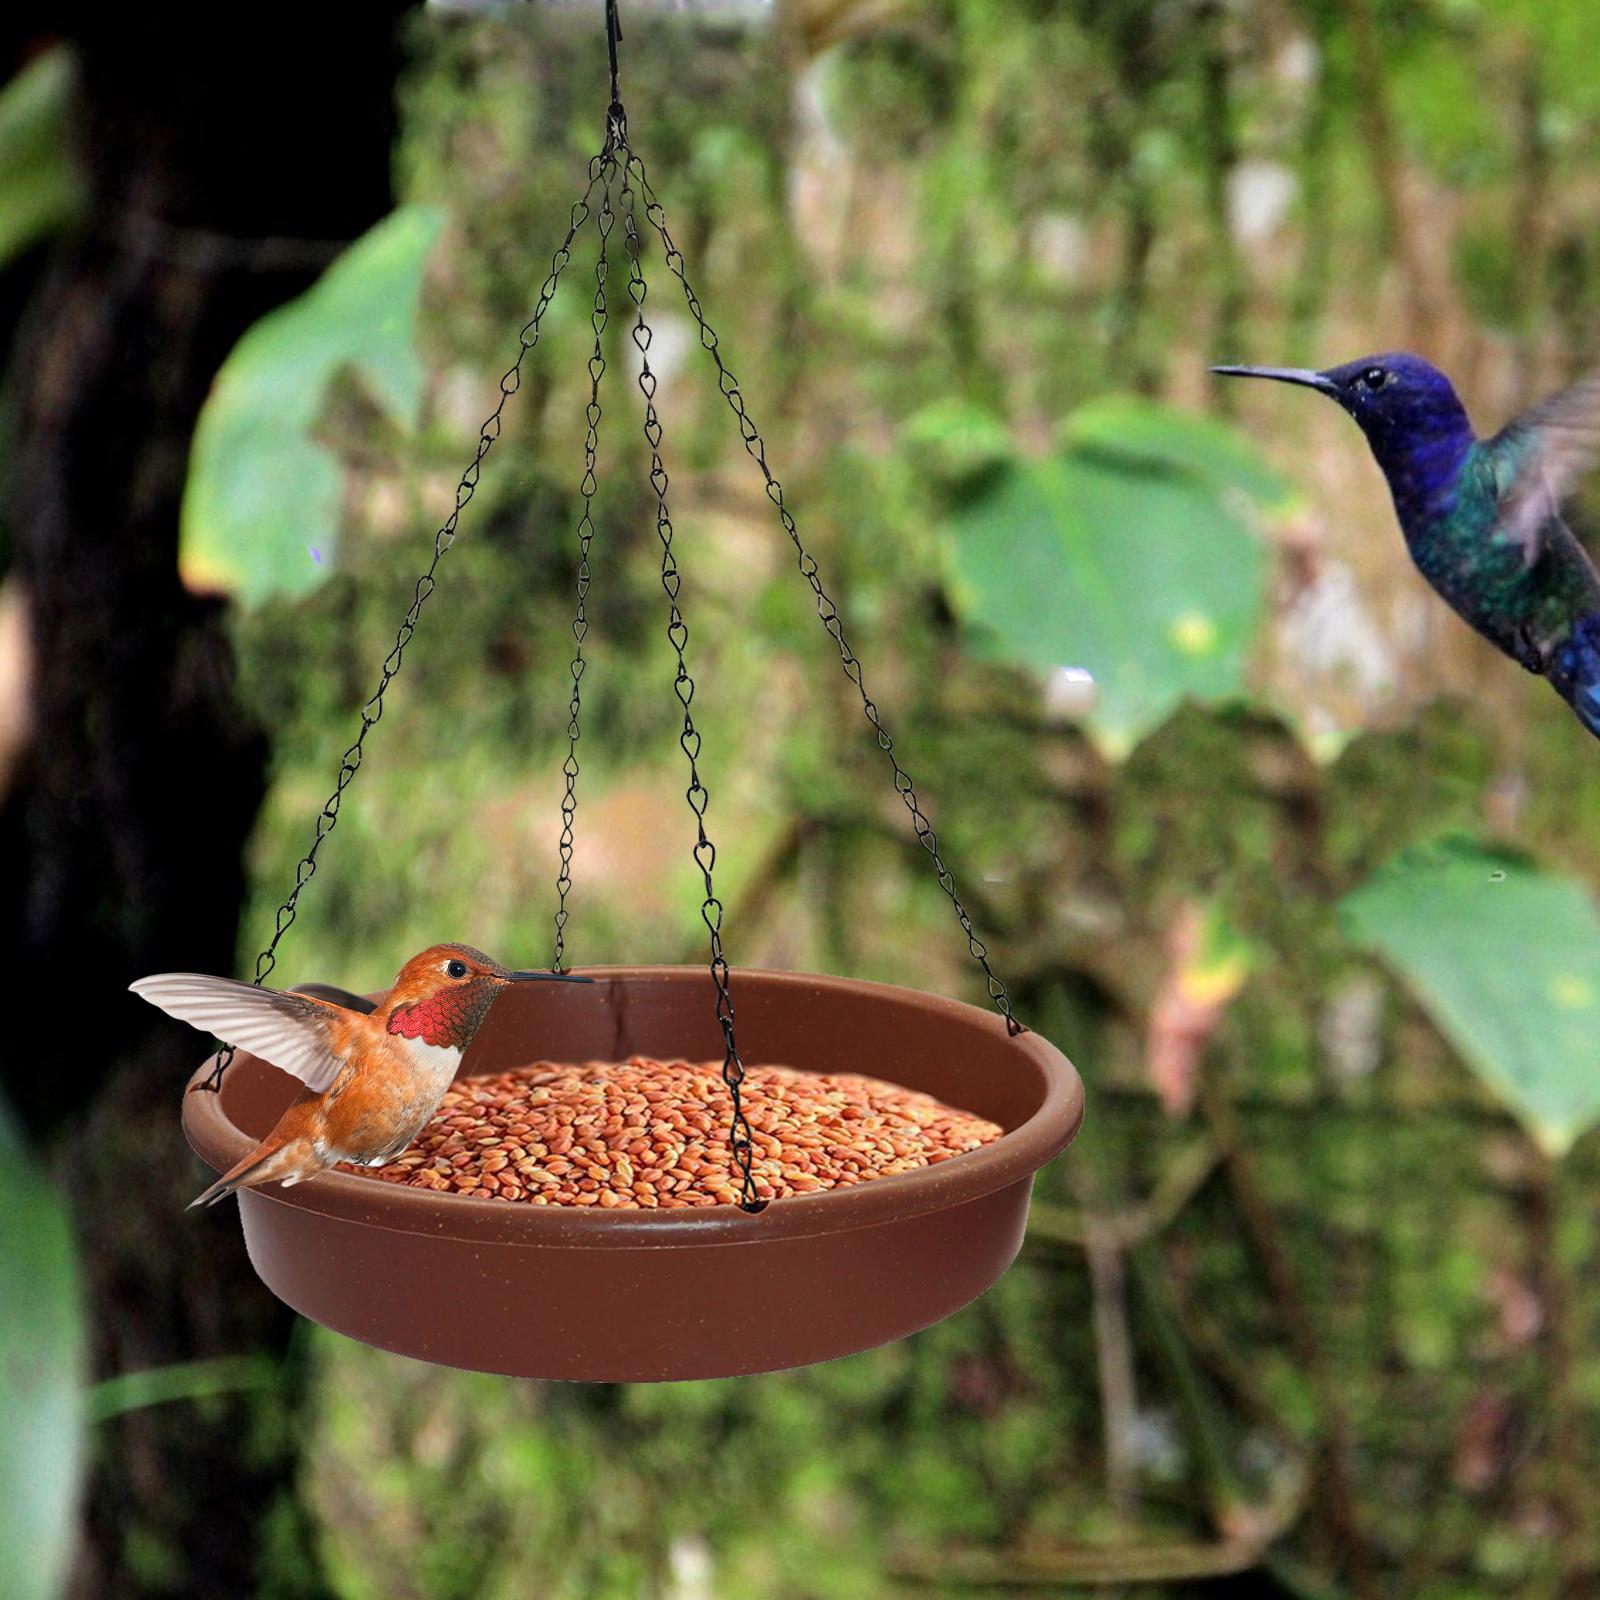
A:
{"points": [[220, 1190], [1574, 671], [274, 1159]]}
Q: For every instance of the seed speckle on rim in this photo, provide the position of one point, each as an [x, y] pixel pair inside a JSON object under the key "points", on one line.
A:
{"points": [[653, 1134]]}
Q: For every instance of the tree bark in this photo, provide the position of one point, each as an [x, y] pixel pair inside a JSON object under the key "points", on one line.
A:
{"points": [[227, 155]]}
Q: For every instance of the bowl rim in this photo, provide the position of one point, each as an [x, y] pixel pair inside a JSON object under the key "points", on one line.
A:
{"points": [[400, 1208]]}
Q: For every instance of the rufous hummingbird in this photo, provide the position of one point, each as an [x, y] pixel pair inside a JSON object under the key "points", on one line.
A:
{"points": [[374, 1071]]}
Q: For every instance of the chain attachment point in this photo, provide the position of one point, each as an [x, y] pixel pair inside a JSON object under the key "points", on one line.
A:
{"points": [[616, 117]]}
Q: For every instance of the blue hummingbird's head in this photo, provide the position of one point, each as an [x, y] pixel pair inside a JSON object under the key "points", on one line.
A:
{"points": [[1413, 419], [1397, 397]]}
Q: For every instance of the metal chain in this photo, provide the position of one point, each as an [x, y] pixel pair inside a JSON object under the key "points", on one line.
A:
{"points": [[598, 316], [740, 1144], [827, 611], [372, 711]]}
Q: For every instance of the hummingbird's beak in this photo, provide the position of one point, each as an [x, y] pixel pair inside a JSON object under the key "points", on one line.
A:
{"points": [[1301, 375], [546, 977]]}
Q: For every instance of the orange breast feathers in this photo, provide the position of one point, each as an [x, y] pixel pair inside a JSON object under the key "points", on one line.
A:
{"points": [[383, 1103]]}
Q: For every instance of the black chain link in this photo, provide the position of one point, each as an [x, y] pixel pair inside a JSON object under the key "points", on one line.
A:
{"points": [[826, 609], [740, 1144], [598, 317], [372, 711]]}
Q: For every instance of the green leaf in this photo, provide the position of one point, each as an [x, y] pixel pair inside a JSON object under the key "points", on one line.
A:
{"points": [[41, 1379], [181, 1380], [1130, 429], [1506, 959], [1139, 569], [263, 492], [955, 442], [40, 186]]}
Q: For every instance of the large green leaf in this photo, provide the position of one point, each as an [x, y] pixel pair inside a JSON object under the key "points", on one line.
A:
{"points": [[261, 507], [40, 187], [1129, 428], [1507, 961], [41, 1379], [1128, 555]]}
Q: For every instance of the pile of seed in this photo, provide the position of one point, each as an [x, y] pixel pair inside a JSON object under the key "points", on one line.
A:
{"points": [[654, 1134]]}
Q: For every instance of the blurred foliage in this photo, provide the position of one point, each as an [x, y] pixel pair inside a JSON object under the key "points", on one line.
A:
{"points": [[1122, 554], [1335, 1327], [45, 1396], [41, 1378], [261, 509], [40, 187], [1449, 918]]}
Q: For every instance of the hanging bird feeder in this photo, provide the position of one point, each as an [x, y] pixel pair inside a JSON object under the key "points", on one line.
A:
{"points": [[632, 1293]]}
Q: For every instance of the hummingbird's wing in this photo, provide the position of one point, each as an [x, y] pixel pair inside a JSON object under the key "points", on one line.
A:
{"points": [[289, 1030], [1541, 455]]}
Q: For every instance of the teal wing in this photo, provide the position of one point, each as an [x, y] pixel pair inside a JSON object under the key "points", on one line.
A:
{"points": [[1539, 457]]}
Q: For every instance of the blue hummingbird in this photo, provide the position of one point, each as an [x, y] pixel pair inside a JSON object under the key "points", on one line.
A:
{"points": [[1482, 517]]}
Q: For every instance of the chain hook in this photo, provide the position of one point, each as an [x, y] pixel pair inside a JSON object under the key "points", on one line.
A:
{"points": [[616, 117]]}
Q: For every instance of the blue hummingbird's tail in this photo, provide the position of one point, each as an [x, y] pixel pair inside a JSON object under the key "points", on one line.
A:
{"points": [[1575, 671]]}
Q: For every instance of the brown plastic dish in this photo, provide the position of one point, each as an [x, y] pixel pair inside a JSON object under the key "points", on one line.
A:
{"points": [[632, 1295]]}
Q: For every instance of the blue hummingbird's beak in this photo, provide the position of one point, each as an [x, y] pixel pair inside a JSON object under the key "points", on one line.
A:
{"points": [[1304, 376], [547, 977]]}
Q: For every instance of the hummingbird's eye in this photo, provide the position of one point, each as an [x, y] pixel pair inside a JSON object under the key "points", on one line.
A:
{"points": [[1374, 377], [456, 969]]}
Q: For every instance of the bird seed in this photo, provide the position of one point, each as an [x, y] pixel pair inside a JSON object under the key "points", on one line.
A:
{"points": [[654, 1134]]}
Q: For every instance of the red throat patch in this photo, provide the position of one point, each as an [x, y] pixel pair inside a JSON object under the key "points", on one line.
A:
{"points": [[447, 1019]]}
